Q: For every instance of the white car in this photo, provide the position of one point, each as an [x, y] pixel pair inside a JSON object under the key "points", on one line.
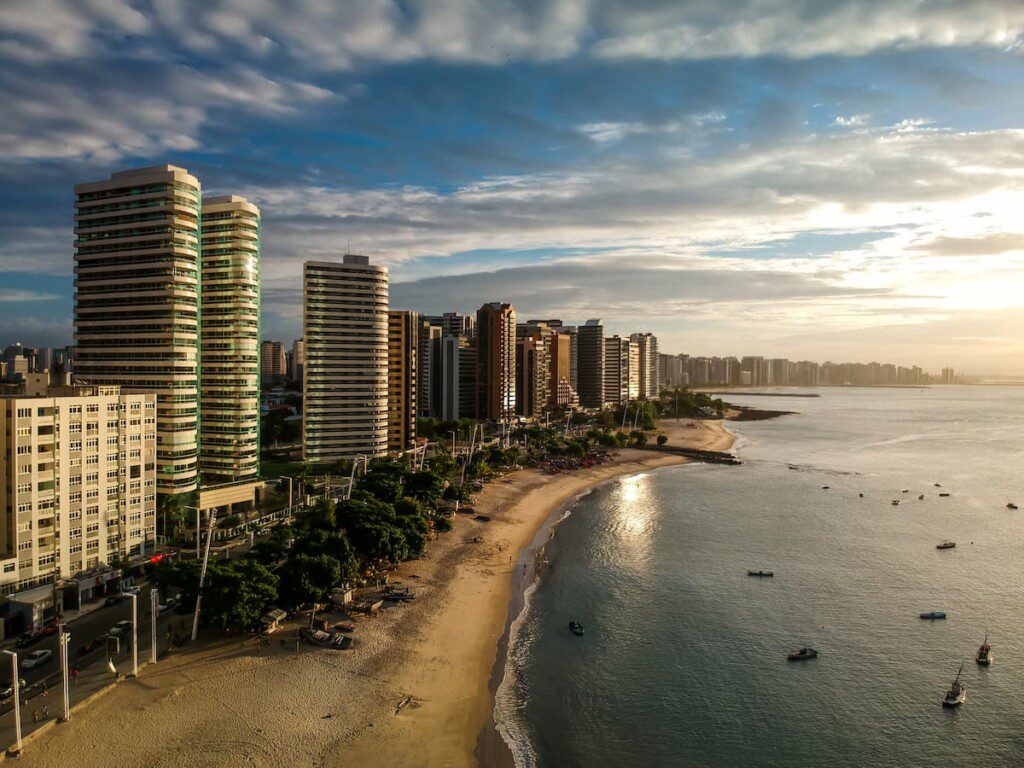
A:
{"points": [[133, 590], [37, 659], [121, 628]]}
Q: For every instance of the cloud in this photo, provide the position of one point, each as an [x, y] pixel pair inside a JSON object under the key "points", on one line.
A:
{"points": [[993, 244], [685, 29], [853, 121], [20, 295]]}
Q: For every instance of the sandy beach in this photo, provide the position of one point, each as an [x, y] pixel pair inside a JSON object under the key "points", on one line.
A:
{"points": [[414, 691]]}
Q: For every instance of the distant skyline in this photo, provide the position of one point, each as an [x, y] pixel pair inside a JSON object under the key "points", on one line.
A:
{"points": [[840, 180]]}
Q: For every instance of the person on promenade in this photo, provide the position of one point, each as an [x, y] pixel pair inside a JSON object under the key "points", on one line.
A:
{"points": [[35, 715]]}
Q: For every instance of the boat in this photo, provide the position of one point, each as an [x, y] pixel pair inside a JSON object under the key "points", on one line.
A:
{"points": [[944, 495], [895, 502], [933, 615], [576, 628], [984, 654], [905, 490], [1011, 505], [763, 574], [824, 487], [803, 654], [957, 694], [861, 495], [921, 497], [945, 544]]}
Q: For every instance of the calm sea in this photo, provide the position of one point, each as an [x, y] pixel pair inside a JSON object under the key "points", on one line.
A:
{"points": [[684, 658]]}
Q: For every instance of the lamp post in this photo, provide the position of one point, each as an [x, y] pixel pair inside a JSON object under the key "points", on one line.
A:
{"points": [[135, 634], [187, 506], [63, 640], [16, 689], [153, 610]]}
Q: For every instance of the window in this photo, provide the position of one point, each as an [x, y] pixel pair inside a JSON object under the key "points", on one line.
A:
{"points": [[24, 413]]}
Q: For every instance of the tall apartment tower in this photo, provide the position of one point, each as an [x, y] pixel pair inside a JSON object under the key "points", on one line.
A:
{"points": [[426, 363], [454, 379], [273, 363], [616, 370], [137, 264], [496, 361], [647, 348], [403, 345], [229, 384], [345, 385], [298, 360], [532, 373], [77, 483], [590, 364]]}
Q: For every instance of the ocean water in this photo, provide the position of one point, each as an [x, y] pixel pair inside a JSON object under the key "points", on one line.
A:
{"points": [[684, 658]]}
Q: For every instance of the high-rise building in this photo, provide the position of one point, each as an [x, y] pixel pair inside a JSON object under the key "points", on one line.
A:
{"points": [[453, 324], [403, 345], [78, 475], [427, 400], [298, 360], [618, 371], [273, 363], [532, 373], [590, 365], [496, 361], [229, 393], [345, 389], [454, 381], [647, 349], [137, 302], [560, 369]]}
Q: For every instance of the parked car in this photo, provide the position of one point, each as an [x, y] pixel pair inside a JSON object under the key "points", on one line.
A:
{"points": [[134, 589], [37, 658], [115, 599], [8, 690], [166, 605], [31, 637], [49, 629], [121, 629]]}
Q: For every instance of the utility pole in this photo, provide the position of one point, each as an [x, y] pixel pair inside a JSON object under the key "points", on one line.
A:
{"points": [[16, 689], [135, 634], [202, 575], [153, 610], [63, 640]]}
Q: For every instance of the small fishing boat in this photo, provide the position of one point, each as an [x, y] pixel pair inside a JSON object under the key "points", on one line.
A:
{"points": [[945, 544], [905, 490], [762, 574], [957, 694], [861, 495], [1011, 505], [933, 615], [921, 497], [938, 485], [576, 628], [895, 502], [984, 654], [803, 654], [824, 487], [944, 495]]}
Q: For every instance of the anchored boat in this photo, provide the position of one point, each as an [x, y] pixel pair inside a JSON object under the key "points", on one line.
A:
{"points": [[576, 628], [984, 654], [945, 544], [957, 694], [933, 615], [803, 654], [762, 574]]}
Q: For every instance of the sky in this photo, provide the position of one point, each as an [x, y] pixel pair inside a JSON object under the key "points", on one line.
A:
{"points": [[814, 179]]}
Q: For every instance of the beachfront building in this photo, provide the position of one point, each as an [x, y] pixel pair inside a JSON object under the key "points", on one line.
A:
{"points": [[532, 372], [297, 360], [229, 399], [345, 385], [426, 368], [647, 350], [496, 361], [403, 344], [591, 364], [453, 383], [622, 371], [273, 363], [137, 302], [78, 480], [453, 324]]}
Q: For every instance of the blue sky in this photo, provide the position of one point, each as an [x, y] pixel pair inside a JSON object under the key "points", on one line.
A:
{"points": [[829, 179]]}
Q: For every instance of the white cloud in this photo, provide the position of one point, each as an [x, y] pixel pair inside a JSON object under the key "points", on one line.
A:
{"points": [[20, 295], [853, 121]]}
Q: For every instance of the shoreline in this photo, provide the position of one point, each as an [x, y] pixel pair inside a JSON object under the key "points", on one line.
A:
{"points": [[415, 690], [493, 749]]}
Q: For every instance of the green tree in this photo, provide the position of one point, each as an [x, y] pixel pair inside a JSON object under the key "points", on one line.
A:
{"points": [[238, 592], [308, 579]]}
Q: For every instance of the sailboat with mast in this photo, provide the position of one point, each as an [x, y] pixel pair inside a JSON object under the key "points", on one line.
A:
{"points": [[957, 694], [984, 654]]}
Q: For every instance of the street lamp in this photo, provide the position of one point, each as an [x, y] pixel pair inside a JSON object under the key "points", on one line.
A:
{"points": [[188, 506], [153, 610], [63, 641], [135, 634], [16, 688]]}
